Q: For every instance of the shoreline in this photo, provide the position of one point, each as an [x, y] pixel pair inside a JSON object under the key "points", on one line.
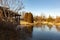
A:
{"points": [[40, 23]]}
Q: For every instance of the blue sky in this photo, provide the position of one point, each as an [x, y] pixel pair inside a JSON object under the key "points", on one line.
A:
{"points": [[47, 7]]}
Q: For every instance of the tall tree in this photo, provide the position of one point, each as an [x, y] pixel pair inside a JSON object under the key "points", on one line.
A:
{"points": [[28, 17], [25, 16]]}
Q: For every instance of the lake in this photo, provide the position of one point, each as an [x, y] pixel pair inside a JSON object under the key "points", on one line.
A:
{"points": [[43, 32]]}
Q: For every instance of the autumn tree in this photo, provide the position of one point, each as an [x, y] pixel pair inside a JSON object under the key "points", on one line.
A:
{"points": [[35, 18], [28, 17], [50, 19], [25, 16], [57, 19]]}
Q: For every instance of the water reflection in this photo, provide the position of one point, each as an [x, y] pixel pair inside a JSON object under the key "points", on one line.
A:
{"points": [[43, 32], [46, 32], [49, 26], [26, 33], [58, 28]]}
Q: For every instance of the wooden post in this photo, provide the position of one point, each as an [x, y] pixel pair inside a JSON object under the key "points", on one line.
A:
{"points": [[5, 14]]}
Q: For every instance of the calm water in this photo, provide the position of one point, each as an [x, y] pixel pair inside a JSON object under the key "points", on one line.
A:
{"points": [[43, 32]]}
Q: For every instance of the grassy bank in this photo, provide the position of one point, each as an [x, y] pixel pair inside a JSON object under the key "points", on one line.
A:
{"points": [[40, 23]]}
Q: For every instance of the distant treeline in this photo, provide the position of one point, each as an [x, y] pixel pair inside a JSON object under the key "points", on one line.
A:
{"points": [[29, 18], [49, 19]]}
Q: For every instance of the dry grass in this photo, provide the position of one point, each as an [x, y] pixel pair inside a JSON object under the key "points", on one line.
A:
{"points": [[35, 23]]}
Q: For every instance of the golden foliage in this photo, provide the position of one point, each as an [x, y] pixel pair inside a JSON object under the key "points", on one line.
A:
{"points": [[28, 17]]}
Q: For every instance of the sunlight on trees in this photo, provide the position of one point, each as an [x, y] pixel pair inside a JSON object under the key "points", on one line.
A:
{"points": [[28, 17]]}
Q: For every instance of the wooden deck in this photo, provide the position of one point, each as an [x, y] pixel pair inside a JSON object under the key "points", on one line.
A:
{"points": [[9, 15]]}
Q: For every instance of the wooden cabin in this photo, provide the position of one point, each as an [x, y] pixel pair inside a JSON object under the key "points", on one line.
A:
{"points": [[8, 24], [8, 15]]}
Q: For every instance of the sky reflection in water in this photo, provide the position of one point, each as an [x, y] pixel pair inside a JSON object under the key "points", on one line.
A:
{"points": [[43, 32]]}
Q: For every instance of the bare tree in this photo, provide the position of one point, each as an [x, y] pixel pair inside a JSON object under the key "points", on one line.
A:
{"points": [[0, 2], [4, 3], [15, 5]]}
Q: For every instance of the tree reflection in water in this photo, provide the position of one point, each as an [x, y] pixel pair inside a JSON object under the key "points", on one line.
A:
{"points": [[26, 33], [49, 26], [58, 28]]}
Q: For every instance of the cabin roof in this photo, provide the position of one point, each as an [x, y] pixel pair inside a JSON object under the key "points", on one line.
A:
{"points": [[10, 11]]}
